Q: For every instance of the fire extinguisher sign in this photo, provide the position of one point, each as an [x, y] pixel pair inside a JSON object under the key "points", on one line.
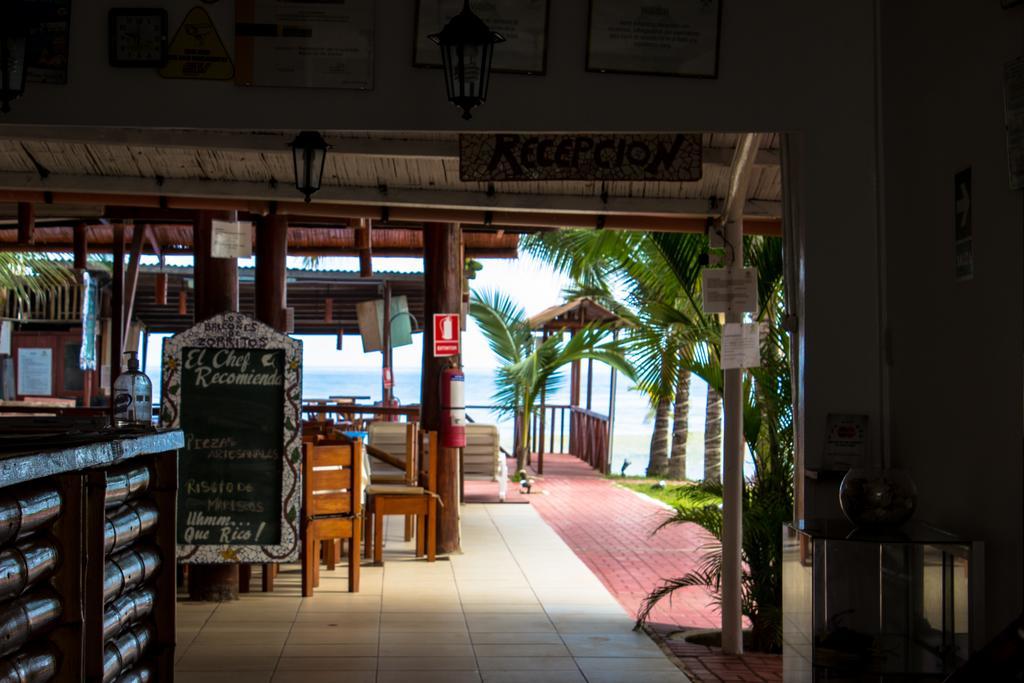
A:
{"points": [[446, 334]]}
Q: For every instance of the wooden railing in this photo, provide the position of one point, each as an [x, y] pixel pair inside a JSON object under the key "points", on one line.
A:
{"points": [[359, 413], [588, 438]]}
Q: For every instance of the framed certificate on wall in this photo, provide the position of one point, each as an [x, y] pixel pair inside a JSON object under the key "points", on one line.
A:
{"points": [[523, 23], [670, 37]]}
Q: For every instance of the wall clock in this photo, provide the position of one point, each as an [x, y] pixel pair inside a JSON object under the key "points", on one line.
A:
{"points": [[137, 36]]}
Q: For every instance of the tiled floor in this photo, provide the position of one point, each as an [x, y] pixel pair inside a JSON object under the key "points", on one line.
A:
{"points": [[610, 528], [517, 607]]}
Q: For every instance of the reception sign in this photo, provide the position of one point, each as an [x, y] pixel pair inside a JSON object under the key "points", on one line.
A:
{"points": [[513, 156], [233, 385], [675, 38]]}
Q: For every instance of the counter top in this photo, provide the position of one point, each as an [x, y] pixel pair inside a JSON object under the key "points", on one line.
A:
{"points": [[16, 468]]}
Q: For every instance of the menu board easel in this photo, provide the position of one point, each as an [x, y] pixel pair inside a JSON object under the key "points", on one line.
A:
{"points": [[234, 386]]}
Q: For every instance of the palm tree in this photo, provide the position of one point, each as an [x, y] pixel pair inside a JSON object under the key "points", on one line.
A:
{"points": [[23, 275], [713, 436], [657, 464], [529, 366], [680, 426], [601, 262], [768, 433]]}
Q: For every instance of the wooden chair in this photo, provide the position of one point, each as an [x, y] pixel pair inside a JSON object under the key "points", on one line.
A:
{"points": [[403, 499], [332, 483], [400, 441]]}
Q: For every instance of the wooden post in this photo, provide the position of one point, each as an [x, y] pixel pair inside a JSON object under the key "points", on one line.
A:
{"points": [[590, 383], [271, 301], [612, 386], [442, 271], [81, 246], [26, 222], [386, 344], [540, 434], [216, 278], [216, 292], [116, 310], [271, 271], [132, 276], [364, 243]]}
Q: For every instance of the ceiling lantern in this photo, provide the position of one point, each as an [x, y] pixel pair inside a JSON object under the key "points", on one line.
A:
{"points": [[309, 151], [467, 45]]}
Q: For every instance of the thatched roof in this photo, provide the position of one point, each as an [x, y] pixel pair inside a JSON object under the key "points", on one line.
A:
{"points": [[574, 315]]}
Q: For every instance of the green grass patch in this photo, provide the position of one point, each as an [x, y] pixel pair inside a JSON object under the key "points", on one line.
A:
{"points": [[649, 487]]}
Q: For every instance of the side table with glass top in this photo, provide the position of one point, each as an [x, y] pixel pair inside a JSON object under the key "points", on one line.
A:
{"points": [[878, 604]]}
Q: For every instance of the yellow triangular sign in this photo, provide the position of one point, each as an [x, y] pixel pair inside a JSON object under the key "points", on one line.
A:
{"points": [[197, 51]]}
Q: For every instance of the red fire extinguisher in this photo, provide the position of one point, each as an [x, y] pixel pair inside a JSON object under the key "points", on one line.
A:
{"points": [[453, 408]]}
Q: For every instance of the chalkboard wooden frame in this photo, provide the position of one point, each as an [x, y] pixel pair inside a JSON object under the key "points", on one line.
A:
{"points": [[237, 331]]}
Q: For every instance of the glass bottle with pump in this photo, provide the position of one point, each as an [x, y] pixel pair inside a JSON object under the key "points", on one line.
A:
{"points": [[133, 396]]}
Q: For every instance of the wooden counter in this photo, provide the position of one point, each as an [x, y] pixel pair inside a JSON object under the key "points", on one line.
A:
{"points": [[87, 543]]}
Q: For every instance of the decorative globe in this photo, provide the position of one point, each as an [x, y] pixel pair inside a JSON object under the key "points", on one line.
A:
{"points": [[872, 497]]}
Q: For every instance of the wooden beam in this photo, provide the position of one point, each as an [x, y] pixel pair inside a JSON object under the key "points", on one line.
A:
{"points": [[255, 197], [271, 271], [132, 279], [277, 142], [26, 222], [443, 288], [81, 246], [364, 243]]}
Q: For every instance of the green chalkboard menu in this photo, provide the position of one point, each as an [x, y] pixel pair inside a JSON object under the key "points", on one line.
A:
{"points": [[232, 413], [233, 386]]}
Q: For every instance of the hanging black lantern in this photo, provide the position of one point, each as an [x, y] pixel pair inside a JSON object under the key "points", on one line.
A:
{"points": [[13, 49], [467, 46], [309, 151]]}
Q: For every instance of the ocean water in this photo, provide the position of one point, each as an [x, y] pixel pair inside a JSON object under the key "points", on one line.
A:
{"points": [[633, 416], [634, 420]]}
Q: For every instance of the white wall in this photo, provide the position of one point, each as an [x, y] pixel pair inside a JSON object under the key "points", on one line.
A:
{"points": [[957, 371], [801, 66]]}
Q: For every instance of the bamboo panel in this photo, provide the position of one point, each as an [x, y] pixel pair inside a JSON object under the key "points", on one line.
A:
{"points": [[26, 618], [127, 523], [126, 485], [127, 610], [123, 652], [25, 564], [140, 675], [128, 569], [24, 513], [37, 665]]}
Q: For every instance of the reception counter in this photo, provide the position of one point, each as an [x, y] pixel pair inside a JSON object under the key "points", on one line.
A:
{"points": [[87, 543]]}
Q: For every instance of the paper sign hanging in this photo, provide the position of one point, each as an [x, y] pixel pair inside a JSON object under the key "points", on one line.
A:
{"points": [[6, 327], [35, 371], [741, 345], [196, 51], [730, 290], [231, 239], [446, 334]]}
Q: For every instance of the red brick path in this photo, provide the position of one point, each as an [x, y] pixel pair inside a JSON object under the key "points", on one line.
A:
{"points": [[609, 528]]}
